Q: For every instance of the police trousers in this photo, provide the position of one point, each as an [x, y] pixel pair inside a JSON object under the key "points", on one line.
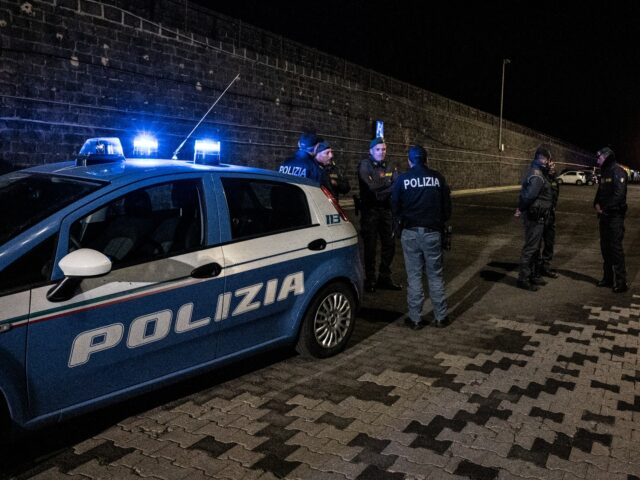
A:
{"points": [[376, 222], [548, 240], [611, 236], [533, 230], [422, 250]]}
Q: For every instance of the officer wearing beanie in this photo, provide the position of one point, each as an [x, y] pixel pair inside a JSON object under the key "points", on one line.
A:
{"points": [[338, 183], [535, 202], [421, 202], [302, 163], [376, 178], [611, 205]]}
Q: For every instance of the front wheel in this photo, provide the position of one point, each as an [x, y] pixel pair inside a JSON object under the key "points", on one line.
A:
{"points": [[560, 182], [328, 322]]}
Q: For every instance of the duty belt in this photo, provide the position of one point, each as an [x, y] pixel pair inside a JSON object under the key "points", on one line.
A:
{"points": [[422, 229]]}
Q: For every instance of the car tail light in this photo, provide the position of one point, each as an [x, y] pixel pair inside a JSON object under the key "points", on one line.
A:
{"points": [[335, 203]]}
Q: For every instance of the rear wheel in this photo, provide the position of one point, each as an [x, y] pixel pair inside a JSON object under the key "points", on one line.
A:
{"points": [[578, 182], [328, 322]]}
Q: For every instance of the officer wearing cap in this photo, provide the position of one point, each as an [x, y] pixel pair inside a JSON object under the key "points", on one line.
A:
{"points": [[611, 205], [338, 183], [535, 202], [421, 202], [376, 177], [302, 163]]}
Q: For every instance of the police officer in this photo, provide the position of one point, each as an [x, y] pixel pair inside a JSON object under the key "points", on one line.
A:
{"points": [[375, 178], [338, 182], [535, 200], [543, 267], [611, 205], [303, 164], [421, 202]]}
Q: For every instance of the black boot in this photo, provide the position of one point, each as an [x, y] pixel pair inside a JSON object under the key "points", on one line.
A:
{"points": [[526, 285], [620, 287], [369, 286], [387, 284], [537, 280]]}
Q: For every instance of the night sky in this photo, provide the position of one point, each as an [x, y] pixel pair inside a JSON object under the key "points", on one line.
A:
{"points": [[574, 71]]}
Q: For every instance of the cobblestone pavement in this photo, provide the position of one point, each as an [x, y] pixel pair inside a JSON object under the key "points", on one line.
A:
{"points": [[521, 385]]}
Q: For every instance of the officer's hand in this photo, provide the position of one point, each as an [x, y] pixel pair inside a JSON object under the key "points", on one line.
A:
{"points": [[598, 209], [517, 213]]}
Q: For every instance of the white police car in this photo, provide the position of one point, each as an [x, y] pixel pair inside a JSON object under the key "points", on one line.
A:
{"points": [[119, 275]]}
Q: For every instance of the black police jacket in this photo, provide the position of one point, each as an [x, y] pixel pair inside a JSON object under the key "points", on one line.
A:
{"points": [[612, 190], [303, 165], [536, 192], [555, 190], [421, 198], [375, 179], [338, 181]]}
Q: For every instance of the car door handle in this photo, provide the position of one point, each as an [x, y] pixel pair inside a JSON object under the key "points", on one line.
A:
{"points": [[207, 270], [318, 244]]}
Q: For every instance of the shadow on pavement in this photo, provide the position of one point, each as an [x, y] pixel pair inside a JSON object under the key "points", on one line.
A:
{"points": [[35, 447], [580, 277], [378, 315]]}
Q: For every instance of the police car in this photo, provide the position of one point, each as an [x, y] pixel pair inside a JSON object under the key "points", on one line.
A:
{"points": [[117, 276]]}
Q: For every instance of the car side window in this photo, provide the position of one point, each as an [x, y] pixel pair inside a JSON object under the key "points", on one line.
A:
{"points": [[31, 269], [259, 207], [143, 225]]}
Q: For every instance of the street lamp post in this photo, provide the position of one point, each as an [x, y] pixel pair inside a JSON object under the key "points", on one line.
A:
{"points": [[505, 61]]}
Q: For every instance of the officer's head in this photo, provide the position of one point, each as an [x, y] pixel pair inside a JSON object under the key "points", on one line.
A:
{"points": [[324, 153], [417, 155], [604, 155], [542, 157], [378, 149], [308, 142]]}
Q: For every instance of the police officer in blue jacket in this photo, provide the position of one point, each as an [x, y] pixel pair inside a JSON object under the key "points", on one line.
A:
{"points": [[421, 202], [303, 163], [535, 203], [611, 206]]}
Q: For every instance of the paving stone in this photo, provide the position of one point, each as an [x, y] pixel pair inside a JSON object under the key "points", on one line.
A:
{"points": [[94, 469], [193, 458], [178, 435], [314, 444], [304, 472], [160, 467], [241, 455], [231, 435], [235, 471], [306, 456]]}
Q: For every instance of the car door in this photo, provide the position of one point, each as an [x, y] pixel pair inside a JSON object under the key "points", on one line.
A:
{"points": [[29, 269], [151, 317], [267, 260]]}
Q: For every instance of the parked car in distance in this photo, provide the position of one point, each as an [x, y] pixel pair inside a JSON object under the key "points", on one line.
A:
{"points": [[575, 177]]}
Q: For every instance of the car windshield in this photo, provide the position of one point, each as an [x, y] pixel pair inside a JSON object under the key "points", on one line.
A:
{"points": [[27, 198]]}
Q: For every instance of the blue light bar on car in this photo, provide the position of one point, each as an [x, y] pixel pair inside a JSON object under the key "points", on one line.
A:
{"points": [[100, 150], [206, 151], [145, 146]]}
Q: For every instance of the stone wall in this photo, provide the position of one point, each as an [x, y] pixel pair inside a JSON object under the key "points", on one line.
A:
{"points": [[72, 69]]}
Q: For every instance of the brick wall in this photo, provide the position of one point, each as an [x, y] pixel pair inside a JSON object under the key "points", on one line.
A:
{"points": [[72, 69]]}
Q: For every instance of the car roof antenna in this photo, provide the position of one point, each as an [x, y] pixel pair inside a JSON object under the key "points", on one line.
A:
{"points": [[175, 154]]}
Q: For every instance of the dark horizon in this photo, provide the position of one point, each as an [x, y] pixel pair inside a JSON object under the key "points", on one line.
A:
{"points": [[572, 73]]}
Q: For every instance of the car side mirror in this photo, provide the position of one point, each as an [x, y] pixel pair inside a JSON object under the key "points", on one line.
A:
{"points": [[77, 265]]}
